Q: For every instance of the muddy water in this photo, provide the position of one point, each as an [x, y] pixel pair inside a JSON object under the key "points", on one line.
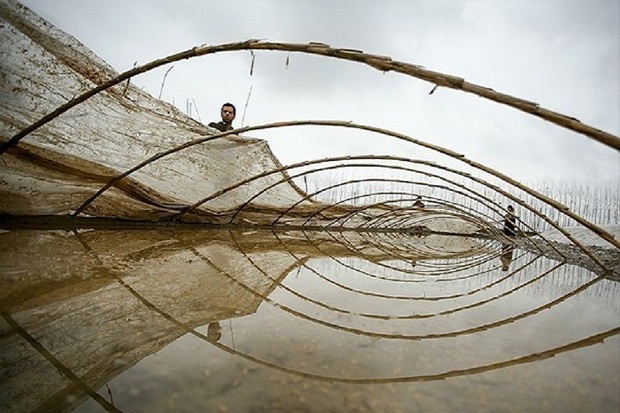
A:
{"points": [[221, 321]]}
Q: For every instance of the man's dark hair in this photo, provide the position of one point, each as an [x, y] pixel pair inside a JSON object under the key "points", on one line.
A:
{"points": [[230, 105]]}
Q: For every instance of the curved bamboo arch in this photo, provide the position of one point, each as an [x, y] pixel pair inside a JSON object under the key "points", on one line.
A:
{"points": [[378, 62], [560, 207], [476, 196], [460, 157], [382, 63]]}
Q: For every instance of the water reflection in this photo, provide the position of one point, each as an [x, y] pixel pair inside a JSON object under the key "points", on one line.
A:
{"points": [[161, 320], [506, 257]]}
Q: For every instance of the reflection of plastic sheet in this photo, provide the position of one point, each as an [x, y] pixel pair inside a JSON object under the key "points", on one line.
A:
{"points": [[107, 291]]}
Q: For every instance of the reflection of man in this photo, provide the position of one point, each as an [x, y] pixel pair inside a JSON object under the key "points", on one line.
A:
{"points": [[214, 332], [506, 257]]}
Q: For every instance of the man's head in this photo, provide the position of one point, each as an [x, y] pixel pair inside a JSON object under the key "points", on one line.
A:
{"points": [[228, 112]]}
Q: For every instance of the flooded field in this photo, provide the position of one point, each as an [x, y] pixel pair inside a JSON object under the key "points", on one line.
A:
{"points": [[231, 321]]}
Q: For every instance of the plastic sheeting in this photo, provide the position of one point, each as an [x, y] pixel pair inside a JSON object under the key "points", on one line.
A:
{"points": [[55, 169]]}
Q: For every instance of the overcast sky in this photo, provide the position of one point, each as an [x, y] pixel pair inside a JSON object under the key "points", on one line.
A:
{"points": [[562, 54]]}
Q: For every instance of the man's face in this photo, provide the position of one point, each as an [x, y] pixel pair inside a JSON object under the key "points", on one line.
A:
{"points": [[228, 114]]}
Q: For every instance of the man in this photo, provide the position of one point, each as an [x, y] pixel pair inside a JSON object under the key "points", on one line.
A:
{"points": [[228, 115], [510, 222], [418, 203]]}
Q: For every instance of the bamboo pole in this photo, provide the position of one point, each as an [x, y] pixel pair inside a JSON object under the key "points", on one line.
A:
{"points": [[460, 157], [382, 63]]}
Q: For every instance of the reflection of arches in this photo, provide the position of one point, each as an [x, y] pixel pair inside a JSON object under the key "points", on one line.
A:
{"points": [[152, 253], [399, 336], [589, 341], [397, 297]]}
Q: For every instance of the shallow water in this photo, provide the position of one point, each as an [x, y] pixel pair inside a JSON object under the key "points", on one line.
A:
{"points": [[186, 321]]}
